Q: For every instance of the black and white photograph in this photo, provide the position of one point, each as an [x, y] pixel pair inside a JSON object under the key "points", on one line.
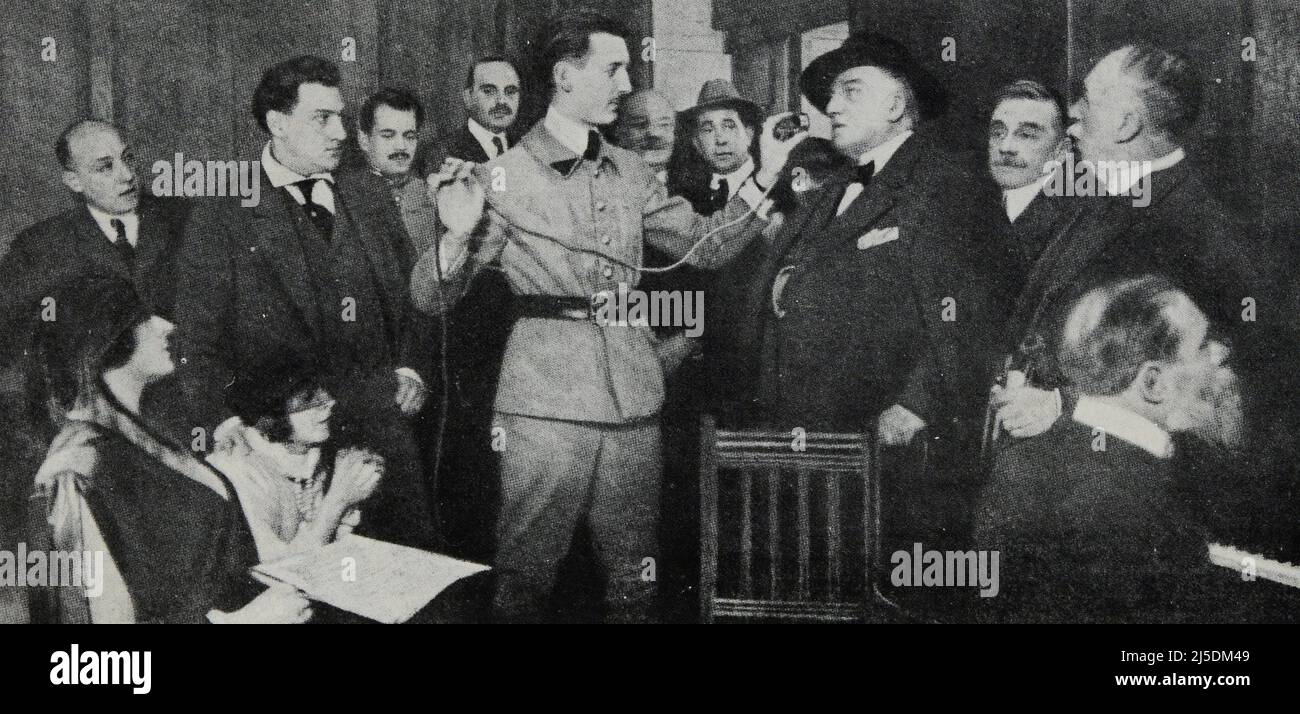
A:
{"points": [[874, 312]]}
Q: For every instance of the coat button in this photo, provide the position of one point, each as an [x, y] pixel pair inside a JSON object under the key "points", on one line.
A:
{"points": [[604, 240]]}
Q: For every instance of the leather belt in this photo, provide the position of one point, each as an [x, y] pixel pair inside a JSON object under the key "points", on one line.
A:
{"points": [[553, 307]]}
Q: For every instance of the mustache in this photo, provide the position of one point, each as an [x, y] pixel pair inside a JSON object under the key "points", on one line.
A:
{"points": [[501, 109], [399, 155], [1012, 163], [655, 143]]}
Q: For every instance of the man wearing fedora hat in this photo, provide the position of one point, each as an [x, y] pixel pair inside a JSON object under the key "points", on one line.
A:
{"points": [[875, 307], [718, 152]]}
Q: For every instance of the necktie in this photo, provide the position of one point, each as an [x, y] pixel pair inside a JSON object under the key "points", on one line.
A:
{"points": [[499, 144], [721, 195], [591, 153], [319, 215], [122, 245]]}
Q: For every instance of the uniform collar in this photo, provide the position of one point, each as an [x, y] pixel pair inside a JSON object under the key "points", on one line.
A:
{"points": [[571, 133]]}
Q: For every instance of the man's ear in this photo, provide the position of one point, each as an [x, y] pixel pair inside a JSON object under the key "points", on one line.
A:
{"points": [[363, 140], [1130, 126], [897, 105], [467, 96], [561, 76], [1151, 384], [275, 121], [73, 182]]}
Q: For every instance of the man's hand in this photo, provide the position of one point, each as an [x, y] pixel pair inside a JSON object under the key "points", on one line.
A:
{"points": [[458, 196], [230, 435], [774, 153], [278, 605], [1025, 411], [410, 394], [898, 426]]}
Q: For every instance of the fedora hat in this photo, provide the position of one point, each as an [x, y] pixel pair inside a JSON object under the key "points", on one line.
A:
{"points": [[870, 49], [722, 94]]}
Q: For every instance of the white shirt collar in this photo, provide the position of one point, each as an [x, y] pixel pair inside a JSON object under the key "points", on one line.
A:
{"points": [[484, 136], [571, 133], [1125, 179], [881, 154], [735, 178], [280, 175], [1129, 426], [1017, 200], [131, 221]]}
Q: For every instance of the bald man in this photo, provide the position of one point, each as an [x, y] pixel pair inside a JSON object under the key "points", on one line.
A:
{"points": [[113, 230], [647, 125]]}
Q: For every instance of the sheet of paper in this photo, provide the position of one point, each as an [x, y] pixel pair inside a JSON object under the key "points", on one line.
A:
{"points": [[384, 582]]}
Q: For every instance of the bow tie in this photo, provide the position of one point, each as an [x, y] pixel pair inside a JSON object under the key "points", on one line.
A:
{"points": [[592, 152], [863, 174]]}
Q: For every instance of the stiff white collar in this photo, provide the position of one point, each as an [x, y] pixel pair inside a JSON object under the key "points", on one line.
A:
{"points": [[280, 175], [1129, 426], [571, 133], [735, 178], [1124, 179], [484, 137], [1017, 200], [131, 221], [881, 154]]}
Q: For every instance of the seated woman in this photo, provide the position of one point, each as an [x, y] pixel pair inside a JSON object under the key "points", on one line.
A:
{"points": [[175, 544], [297, 489]]}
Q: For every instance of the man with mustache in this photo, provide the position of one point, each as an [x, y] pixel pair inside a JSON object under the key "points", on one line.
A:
{"points": [[647, 124], [476, 329], [1026, 138], [579, 400], [388, 129], [317, 269]]}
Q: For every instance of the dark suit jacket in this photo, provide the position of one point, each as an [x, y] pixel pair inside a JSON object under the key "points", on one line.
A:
{"points": [[864, 326], [1184, 234], [1087, 534], [244, 294], [70, 246], [1018, 245]]}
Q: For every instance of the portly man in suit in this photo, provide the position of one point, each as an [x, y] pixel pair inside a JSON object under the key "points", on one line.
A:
{"points": [[647, 124], [112, 231], [476, 329], [860, 331], [313, 270], [1089, 517], [578, 404], [1139, 106]]}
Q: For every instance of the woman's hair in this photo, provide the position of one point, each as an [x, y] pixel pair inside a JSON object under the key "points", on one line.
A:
{"points": [[262, 400], [93, 331]]}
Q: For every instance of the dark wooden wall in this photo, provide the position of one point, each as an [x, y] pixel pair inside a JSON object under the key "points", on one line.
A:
{"points": [[178, 75]]}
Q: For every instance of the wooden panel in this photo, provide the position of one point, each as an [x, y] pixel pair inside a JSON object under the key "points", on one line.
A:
{"points": [[39, 99]]}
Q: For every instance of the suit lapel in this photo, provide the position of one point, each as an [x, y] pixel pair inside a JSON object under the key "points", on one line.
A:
{"points": [[381, 261], [877, 199], [276, 230], [96, 246], [469, 148], [153, 237]]}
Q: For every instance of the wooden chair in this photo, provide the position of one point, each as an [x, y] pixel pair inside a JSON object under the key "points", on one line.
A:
{"points": [[787, 534]]}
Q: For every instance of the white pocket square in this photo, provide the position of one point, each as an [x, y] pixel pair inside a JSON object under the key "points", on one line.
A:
{"points": [[876, 237]]}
